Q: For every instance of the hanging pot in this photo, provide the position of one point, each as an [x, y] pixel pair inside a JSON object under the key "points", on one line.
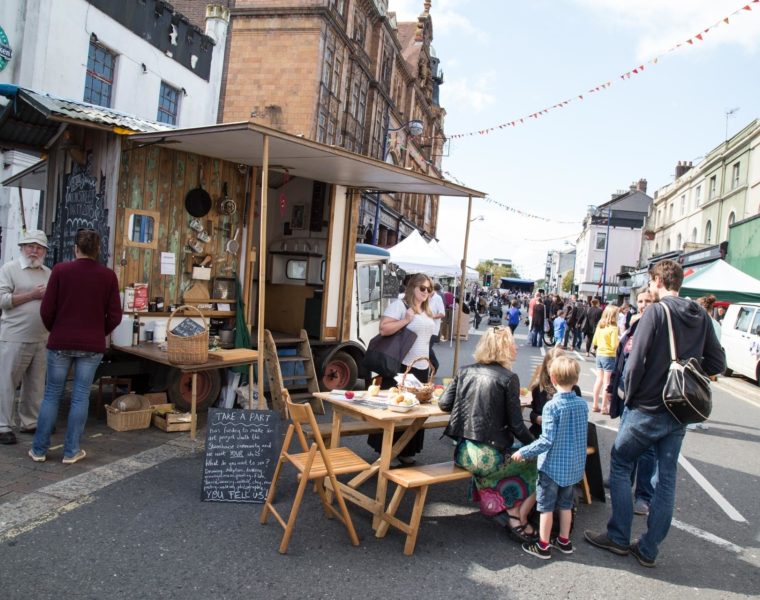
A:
{"points": [[197, 200]]}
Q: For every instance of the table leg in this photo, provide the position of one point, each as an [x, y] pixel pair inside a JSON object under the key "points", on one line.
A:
{"points": [[386, 452], [250, 387], [193, 399]]}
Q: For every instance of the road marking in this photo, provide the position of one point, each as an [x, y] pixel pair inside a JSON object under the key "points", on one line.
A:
{"points": [[707, 536], [578, 354], [9, 534], [719, 499], [543, 351]]}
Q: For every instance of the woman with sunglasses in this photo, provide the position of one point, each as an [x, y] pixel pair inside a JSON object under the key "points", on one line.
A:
{"points": [[80, 308], [411, 311], [486, 418]]}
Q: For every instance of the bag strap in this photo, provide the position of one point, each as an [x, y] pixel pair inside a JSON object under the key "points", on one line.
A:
{"points": [[672, 339]]}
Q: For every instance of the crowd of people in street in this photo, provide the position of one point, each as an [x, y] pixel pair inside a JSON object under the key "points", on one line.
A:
{"points": [[492, 441]]}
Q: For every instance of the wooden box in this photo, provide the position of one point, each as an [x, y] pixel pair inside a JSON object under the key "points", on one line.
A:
{"points": [[171, 421]]}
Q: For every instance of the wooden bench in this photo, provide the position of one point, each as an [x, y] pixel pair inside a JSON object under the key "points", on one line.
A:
{"points": [[418, 478], [350, 427]]}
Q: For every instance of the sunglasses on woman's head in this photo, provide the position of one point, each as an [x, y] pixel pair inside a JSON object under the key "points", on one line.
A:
{"points": [[424, 288]]}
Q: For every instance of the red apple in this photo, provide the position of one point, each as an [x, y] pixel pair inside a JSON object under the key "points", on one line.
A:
{"points": [[349, 395]]}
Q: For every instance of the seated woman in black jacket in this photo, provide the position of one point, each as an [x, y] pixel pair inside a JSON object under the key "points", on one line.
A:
{"points": [[484, 402], [542, 390]]}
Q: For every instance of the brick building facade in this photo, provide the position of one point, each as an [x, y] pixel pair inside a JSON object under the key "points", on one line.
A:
{"points": [[342, 72]]}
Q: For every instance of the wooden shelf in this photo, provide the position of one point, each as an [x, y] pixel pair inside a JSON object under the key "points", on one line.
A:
{"points": [[206, 313]]}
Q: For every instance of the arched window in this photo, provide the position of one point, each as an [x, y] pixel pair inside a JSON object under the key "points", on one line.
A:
{"points": [[694, 235], [708, 233], [678, 242], [731, 218]]}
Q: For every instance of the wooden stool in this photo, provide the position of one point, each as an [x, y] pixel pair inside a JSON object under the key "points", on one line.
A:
{"points": [[100, 411]]}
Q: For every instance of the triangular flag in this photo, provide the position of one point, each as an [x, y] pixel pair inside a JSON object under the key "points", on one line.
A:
{"points": [[698, 36], [748, 7]]}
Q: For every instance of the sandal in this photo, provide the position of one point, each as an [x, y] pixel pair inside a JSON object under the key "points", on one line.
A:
{"points": [[518, 533]]}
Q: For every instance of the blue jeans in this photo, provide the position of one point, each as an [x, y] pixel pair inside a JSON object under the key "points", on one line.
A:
{"points": [[536, 338], [640, 431], [58, 364], [645, 474]]}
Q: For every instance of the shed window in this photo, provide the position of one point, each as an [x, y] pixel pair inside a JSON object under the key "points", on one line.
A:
{"points": [[98, 83]]}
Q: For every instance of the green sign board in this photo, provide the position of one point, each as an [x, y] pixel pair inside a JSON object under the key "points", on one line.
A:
{"points": [[5, 49]]}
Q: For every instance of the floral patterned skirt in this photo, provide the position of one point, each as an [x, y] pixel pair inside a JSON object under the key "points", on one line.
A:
{"points": [[497, 482]]}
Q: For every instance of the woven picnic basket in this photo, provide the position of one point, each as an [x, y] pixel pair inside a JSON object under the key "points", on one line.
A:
{"points": [[187, 350], [425, 393]]}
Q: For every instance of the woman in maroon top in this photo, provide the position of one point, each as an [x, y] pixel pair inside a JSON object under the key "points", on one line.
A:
{"points": [[80, 308]]}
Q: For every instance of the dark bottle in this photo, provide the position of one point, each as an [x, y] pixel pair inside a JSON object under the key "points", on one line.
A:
{"points": [[136, 332]]}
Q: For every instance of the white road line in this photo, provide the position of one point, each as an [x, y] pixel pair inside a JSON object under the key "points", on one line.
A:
{"points": [[543, 351], [719, 499], [578, 354], [732, 513], [707, 536]]}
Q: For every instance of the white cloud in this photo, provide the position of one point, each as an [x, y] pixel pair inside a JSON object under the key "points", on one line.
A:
{"points": [[663, 24], [448, 16], [469, 93]]}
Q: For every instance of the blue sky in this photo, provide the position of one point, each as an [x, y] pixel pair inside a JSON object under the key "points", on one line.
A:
{"points": [[504, 59]]}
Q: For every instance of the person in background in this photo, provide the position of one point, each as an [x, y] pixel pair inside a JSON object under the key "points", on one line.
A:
{"points": [[513, 316], [531, 304], [486, 417], [80, 308], [590, 321], [560, 325], [721, 314], [606, 341], [412, 312], [537, 324], [561, 452], [646, 467], [439, 312], [22, 335], [542, 389], [647, 422], [571, 316], [623, 317], [580, 321], [707, 303]]}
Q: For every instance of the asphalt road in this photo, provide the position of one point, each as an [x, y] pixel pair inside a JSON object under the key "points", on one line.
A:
{"points": [[150, 536]]}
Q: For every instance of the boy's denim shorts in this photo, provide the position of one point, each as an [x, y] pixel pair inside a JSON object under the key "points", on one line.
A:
{"points": [[550, 496], [605, 363]]}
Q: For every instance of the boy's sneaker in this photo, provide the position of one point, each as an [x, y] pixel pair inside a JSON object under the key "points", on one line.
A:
{"points": [[37, 457], [566, 548], [643, 560], [70, 460], [641, 507], [536, 550]]}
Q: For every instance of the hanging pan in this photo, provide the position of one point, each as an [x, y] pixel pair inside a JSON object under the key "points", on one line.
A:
{"points": [[197, 200]]}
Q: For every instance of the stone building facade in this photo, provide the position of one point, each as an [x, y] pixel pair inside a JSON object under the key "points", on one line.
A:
{"points": [[346, 73]]}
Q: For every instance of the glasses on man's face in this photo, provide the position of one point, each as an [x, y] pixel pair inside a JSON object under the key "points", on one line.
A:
{"points": [[424, 288]]}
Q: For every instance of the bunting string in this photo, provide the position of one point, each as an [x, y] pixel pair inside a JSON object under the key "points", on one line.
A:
{"points": [[699, 37]]}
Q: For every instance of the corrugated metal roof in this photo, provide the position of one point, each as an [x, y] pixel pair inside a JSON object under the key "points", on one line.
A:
{"points": [[31, 119]]}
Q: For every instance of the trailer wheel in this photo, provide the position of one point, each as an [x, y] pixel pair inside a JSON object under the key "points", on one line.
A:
{"points": [[179, 389], [339, 373]]}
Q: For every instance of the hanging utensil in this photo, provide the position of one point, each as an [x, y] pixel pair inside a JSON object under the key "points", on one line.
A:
{"points": [[197, 200], [233, 246], [227, 205]]}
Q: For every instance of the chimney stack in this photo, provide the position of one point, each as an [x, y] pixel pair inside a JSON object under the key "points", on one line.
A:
{"points": [[682, 167], [642, 186]]}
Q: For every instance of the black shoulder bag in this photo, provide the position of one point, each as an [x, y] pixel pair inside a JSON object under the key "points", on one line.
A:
{"points": [[385, 352], [687, 394]]}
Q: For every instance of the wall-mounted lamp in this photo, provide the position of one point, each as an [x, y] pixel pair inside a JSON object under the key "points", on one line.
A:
{"points": [[144, 68], [184, 91], [93, 38]]}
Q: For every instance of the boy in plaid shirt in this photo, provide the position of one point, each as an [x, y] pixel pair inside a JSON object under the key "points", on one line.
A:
{"points": [[561, 452]]}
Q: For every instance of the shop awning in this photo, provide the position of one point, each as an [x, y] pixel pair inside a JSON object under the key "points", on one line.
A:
{"points": [[31, 178], [242, 143]]}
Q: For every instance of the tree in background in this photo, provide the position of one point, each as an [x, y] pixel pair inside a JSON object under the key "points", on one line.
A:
{"points": [[567, 281], [497, 271]]}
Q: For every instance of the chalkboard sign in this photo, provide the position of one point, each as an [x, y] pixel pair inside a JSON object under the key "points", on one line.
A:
{"points": [[242, 447]]}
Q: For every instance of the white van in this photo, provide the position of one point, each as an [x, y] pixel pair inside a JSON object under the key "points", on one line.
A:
{"points": [[740, 337]]}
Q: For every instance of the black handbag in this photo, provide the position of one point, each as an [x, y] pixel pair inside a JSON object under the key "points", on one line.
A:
{"points": [[686, 394], [385, 352]]}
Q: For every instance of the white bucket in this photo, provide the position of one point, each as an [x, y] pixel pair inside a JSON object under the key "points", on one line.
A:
{"points": [[159, 332], [122, 335]]}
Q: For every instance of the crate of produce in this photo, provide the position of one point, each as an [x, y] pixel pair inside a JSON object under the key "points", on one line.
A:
{"points": [[167, 418]]}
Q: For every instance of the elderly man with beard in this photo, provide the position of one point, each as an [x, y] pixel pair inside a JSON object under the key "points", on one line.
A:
{"points": [[22, 335]]}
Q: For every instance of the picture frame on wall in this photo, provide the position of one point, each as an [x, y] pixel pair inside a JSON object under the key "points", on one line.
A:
{"points": [[296, 220]]}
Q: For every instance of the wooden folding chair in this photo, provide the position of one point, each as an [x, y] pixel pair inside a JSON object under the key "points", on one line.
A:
{"points": [[315, 463]]}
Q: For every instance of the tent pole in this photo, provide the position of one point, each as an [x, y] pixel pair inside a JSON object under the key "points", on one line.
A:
{"points": [[461, 285], [262, 269]]}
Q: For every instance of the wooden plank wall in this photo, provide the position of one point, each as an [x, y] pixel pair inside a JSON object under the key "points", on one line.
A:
{"points": [[158, 179]]}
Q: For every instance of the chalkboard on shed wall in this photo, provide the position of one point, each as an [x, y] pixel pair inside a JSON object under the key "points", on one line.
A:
{"points": [[242, 447]]}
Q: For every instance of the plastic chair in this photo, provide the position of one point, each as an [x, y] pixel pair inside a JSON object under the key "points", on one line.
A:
{"points": [[315, 463]]}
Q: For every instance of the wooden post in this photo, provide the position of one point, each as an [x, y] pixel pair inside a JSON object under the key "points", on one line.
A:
{"points": [[250, 250], [262, 268], [461, 285]]}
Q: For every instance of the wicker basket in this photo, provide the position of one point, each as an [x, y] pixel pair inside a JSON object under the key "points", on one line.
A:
{"points": [[423, 394], [187, 350], [128, 420]]}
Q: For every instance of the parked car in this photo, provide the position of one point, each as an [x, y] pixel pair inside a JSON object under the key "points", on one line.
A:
{"points": [[740, 337]]}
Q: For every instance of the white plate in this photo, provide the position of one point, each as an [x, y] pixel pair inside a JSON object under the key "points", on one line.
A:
{"points": [[400, 408]]}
